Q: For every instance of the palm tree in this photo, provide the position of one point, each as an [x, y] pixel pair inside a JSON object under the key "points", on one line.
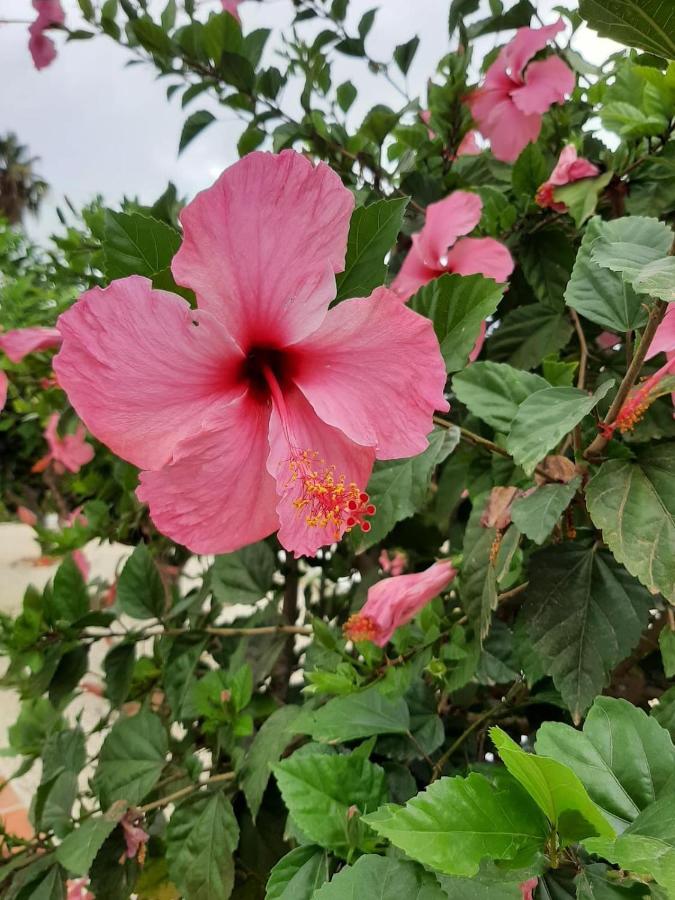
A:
{"points": [[20, 188]]}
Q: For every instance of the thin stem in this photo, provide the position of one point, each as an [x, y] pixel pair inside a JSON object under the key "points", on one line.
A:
{"points": [[581, 379], [656, 314], [420, 749], [186, 791]]}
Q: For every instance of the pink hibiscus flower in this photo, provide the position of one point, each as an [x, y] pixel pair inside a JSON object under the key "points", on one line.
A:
{"points": [[528, 888], [135, 837], [664, 339], [4, 384], [569, 168], [76, 889], [22, 341], [42, 49], [70, 452], [638, 401], [231, 6], [26, 516], [394, 565], [395, 601], [469, 145], [508, 106], [262, 410], [436, 250]]}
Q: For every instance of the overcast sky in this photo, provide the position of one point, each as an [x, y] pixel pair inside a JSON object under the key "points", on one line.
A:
{"points": [[101, 127]]}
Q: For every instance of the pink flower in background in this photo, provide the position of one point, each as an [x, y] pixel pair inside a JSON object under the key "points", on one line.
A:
{"points": [[664, 339], [135, 837], [607, 339], [70, 452], [22, 341], [76, 889], [232, 6], [436, 249], [394, 565], [569, 168], [82, 563], [508, 106], [638, 401], [528, 888], [469, 145], [26, 516], [4, 384], [261, 410], [395, 601], [42, 49]]}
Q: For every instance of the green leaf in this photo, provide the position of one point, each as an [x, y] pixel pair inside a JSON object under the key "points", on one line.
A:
{"points": [[355, 716], [140, 592], [77, 851], [494, 391], [298, 874], [536, 514], [581, 197], [529, 333], [118, 666], [529, 172], [70, 598], [657, 279], [600, 294], [152, 37], [51, 887], [405, 53], [547, 258], [475, 889], [346, 95], [267, 746], [583, 613], [136, 244], [380, 877], [648, 24], [179, 667], [593, 883], [457, 305], [544, 418], [457, 822], [623, 757], [399, 487], [647, 846], [194, 124], [250, 140], [555, 789], [667, 648], [629, 244], [201, 837], [664, 711], [459, 9], [319, 791], [131, 759], [63, 758], [478, 579], [372, 233], [633, 503], [244, 576]]}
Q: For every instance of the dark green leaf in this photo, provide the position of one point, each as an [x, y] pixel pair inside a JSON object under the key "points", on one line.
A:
{"points": [[457, 305], [298, 874], [201, 837], [140, 592], [547, 258], [529, 172], [267, 746], [405, 53], [357, 715], [667, 648], [131, 759], [494, 391], [380, 877], [135, 244], [544, 418], [79, 848], [529, 333], [583, 613], [648, 24], [118, 666], [194, 124], [70, 599], [459, 9], [372, 232], [244, 576], [536, 514], [633, 502]]}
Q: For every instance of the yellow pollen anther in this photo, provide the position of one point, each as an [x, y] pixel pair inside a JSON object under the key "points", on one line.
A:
{"points": [[360, 628]]}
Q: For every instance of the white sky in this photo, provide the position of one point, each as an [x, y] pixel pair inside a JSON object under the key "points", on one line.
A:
{"points": [[100, 127]]}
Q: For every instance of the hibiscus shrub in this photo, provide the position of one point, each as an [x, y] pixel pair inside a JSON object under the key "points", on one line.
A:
{"points": [[384, 418]]}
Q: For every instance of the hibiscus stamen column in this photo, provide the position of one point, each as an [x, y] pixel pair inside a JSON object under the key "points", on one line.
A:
{"points": [[324, 498]]}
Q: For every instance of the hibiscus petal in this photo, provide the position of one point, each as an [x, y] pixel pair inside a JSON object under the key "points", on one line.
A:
{"points": [[215, 495], [142, 369], [510, 131], [457, 214], [481, 256], [413, 274], [4, 384], [374, 370], [664, 339], [261, 246], [527, 42], [22, 341], [547, 82], [333, 454]]}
